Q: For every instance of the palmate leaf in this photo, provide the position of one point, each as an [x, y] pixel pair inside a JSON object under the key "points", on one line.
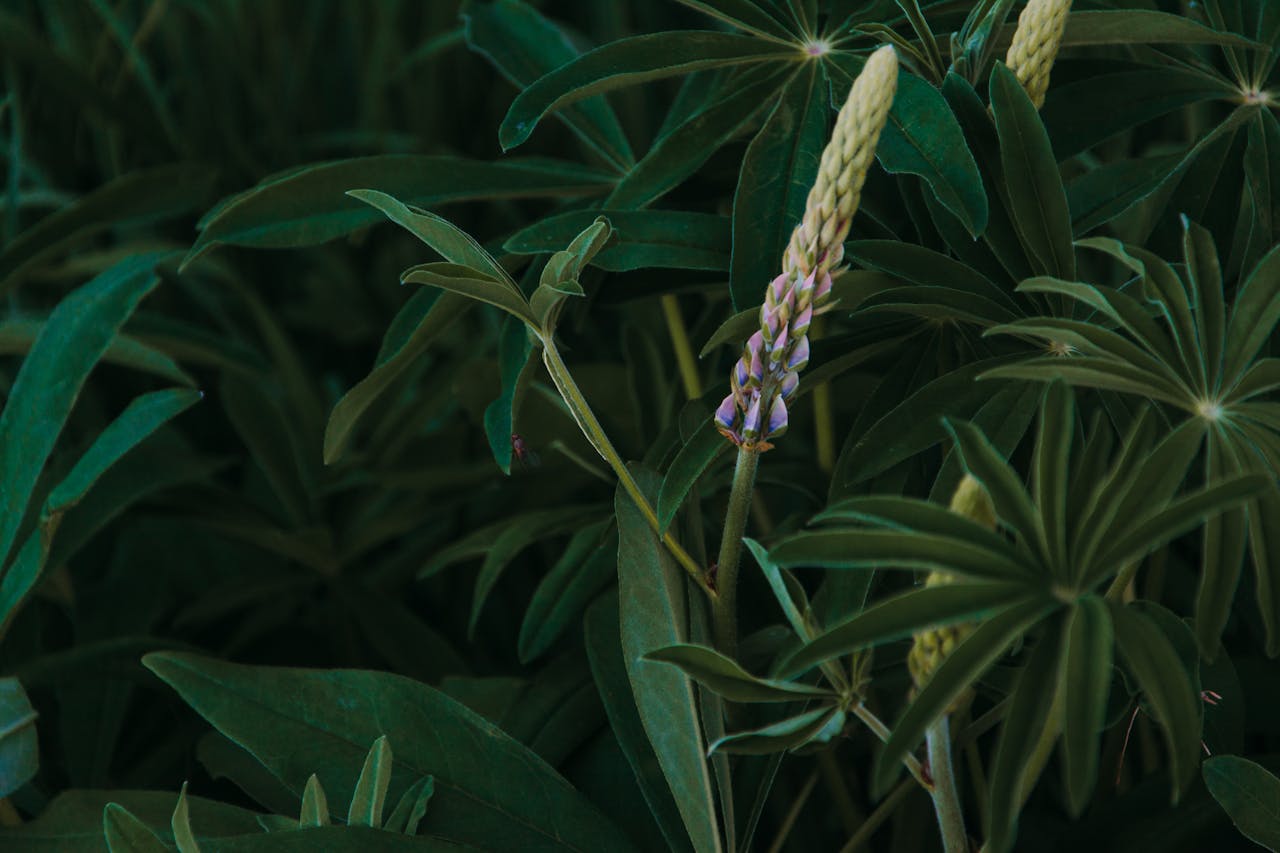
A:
{"points": [[629, 61], [1012, 504]]}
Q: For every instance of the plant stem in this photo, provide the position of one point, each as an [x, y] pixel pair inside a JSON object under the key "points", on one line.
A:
{"points": [[680, 343], [877, 726], [735, 523], [946, 798], [595, 434], [877, 817], [793, 813]]}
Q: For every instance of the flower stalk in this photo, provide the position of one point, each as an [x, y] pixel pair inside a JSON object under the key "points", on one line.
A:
{"points": [[765, 379]]}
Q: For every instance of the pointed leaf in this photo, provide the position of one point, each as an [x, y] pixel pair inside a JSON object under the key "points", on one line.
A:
{"points": [[1086, 685], [776, 737], [465, 281], [315, 805], [181, 825], [1250, 796], [371, 787], [726, 678]]}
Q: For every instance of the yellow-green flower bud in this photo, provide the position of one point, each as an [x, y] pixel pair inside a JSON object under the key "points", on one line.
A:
{"points": [[818, 241], [1035, 45]]}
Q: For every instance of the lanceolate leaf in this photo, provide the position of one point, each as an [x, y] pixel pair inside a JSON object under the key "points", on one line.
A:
{"points": [[1154, 663], [726, 678], [654, 599], [787, 734], [644, 239], [52, 375], [922, 137], [524, 45], [692, 460], [308, 206], [1035, 188], [629, 61], [777, 171], [1086, 684], [471, 283], [298, 722]]}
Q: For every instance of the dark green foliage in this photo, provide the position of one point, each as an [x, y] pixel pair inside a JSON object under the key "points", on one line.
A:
{"points": [[358, 482]]}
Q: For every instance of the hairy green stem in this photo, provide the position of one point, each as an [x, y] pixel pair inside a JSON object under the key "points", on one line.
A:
{"points": [[725, 619], [946, 797], [595, 434], [680, 343], [880, 730]]}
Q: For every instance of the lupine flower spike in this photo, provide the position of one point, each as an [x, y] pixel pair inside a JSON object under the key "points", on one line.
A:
{"points": [[1035, 45], [930, 648], [765, 379]]}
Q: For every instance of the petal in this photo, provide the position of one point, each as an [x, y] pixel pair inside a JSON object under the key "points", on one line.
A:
{"points": [[790, 383], [727, 413], [777, 418], [800, 324], [799, 355], [751, 422]]}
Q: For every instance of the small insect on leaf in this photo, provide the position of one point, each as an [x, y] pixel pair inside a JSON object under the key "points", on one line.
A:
{"points": [[523, 453]]}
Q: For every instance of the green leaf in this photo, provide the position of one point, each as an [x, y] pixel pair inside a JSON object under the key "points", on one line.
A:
{"points": [[609, 670], [427, 315], [1205, 277], [315, 805], [1222, 552], [181, 825], [371, 788], [1248, 794], [1135, 26], [587, 564], [516, 367], [655, 603], [465, 281], [412, 808], [1086, 684], [453, 244], [958, 672], [19, 334], [726, 678], [138, 421], [560, 275], [524, 45], [137, 198], [1154, 663], [902, 616], [262, 423], [1101, 194], [680, 152], [1050, 471], [744, 15], [916, 422], [517, 534], [1025, 723], [308, 205], [1012, 503], [1039, 202], [645, 239], [1254, 314], [922, 137], [781, 736], [74, 338], [778, 584], [297, 722], [777, 171], [630, 61], [875, 549], [1083, 113], [126, 834], [691, 462], [19, 750], [913, 514]]}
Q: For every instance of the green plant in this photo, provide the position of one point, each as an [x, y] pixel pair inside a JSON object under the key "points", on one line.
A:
{"points": [[655, 647]]}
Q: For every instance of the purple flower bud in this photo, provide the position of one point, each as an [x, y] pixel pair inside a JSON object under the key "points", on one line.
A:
{"points": [[777, 418], [801, 323], [777, 288], [779, 346], [727, 413], [823, 290], [757, 366], [800, 355], [751, 422], [790, 382], [740, 375]]}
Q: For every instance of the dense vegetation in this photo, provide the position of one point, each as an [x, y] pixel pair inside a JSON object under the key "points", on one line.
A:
{"points": [[368, 480]]}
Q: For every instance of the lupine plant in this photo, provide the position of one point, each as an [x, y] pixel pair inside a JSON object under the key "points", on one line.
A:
{"points": [[705, 425]]}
